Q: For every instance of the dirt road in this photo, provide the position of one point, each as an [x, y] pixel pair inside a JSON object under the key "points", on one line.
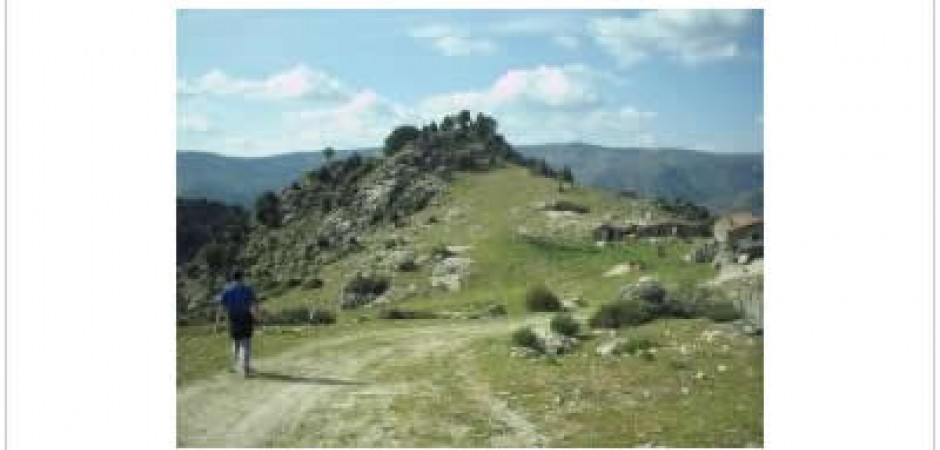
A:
{"points": [[340, 392]]}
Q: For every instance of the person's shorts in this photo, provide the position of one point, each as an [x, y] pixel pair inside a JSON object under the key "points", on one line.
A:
{"points": [[240, 325]]}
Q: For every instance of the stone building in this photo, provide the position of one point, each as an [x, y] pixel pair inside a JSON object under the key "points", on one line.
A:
{"points": [[740, 234]]}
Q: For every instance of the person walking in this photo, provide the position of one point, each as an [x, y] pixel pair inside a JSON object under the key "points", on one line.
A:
{"points": [[240, 306]]}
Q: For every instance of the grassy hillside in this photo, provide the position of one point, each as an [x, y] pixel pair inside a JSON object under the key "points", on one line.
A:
{"points": [[514, 245], [453, 382]]}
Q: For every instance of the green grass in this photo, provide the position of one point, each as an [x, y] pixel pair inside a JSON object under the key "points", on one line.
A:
{"points": [[592, 401], [585, 400]]}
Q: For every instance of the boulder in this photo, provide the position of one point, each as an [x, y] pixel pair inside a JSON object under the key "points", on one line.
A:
{"points": [[402, 260], [625, 268], [451, 272], [611, 348], [557, 344], [572, 303], [647, 291], [619, 269], [458, 249]]}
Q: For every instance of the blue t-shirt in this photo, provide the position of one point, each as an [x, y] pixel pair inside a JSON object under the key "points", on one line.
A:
{"points": [[237, 298]]}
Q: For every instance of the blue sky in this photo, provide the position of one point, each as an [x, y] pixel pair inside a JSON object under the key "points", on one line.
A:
{"points": [[260, 82]]}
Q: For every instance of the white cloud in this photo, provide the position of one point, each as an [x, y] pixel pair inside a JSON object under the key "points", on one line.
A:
{"points": [[294, 83], [690, 36], [569, 86], [533, 105], [452, 41], [551, 104], [363, 120], [605, 125]]}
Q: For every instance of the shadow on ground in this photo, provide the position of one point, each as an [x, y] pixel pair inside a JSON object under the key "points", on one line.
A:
{"points": [[304, 380]]}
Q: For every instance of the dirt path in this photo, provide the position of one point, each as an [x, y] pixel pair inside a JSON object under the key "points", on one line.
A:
{"points": [[338, 393]]}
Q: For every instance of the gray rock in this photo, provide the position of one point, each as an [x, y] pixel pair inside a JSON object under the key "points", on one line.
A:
{"points": [[612, 348], [557, 344], [704, 253], [402, 260], [450, 273], [647, 291]]}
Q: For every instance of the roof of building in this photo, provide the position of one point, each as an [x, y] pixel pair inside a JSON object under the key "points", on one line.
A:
{"points": [[741, 220]]}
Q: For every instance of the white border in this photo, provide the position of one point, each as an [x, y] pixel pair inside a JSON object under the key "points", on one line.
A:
{"points": [[849, 212]]}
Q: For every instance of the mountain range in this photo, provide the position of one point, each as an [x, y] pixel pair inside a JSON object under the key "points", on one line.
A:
{"points": [[718, 181]]}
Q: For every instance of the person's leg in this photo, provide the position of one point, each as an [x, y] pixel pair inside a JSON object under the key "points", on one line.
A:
{"points": [[247, 355], [236, 348]]}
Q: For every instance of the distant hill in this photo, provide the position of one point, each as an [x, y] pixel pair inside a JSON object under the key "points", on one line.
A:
{"points": [[237, 180], [718, 181]]}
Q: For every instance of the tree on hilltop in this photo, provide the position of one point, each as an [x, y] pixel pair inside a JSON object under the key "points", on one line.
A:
{"points": [[267, 209], [464, 118], [447, 123], [399, 137]]}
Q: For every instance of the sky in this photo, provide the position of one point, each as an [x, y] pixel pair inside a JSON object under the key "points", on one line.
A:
{"points": [[262, 82]]}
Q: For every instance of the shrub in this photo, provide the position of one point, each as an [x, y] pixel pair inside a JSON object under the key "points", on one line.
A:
{"points": [[565, 205], [408, 265], [216, 256], [372, 285], [650, 292], [313, 283], [440, 251], [399, 137], [267, 209], [466, 162], [566, 325], [395, 314], [623, 313], [496, 310], [540, 298], [638, 345], [322, 317], [525, 337], [291, 316], [716, 311]]}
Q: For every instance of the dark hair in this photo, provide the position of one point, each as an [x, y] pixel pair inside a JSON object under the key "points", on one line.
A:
{"points": [[235, 275]]}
